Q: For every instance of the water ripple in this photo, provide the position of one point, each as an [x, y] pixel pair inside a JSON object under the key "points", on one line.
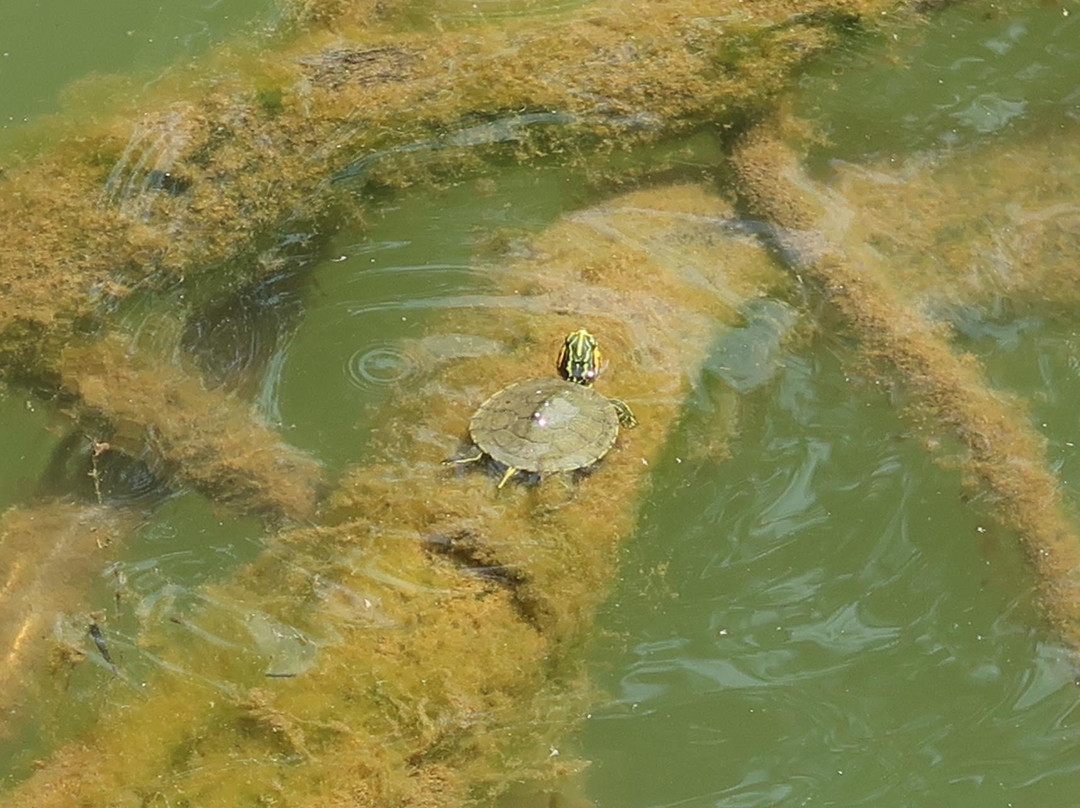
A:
{"points": [[145, 166], [379, 366], [846, 626]]}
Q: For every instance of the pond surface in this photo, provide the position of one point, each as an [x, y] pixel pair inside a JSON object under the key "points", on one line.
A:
{"points": [[825, 618], [45, 46], [821, 616]]}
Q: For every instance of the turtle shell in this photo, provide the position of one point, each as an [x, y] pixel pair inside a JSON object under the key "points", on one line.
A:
{"points": [[545, 425]]}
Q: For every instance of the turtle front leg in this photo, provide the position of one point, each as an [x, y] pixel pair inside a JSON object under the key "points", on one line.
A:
{"points": [[626, 416]]}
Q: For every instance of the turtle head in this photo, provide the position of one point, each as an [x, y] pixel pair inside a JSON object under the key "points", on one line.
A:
{"points": [[579, 360]]}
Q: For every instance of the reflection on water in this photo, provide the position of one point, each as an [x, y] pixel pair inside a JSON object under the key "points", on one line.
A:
{"points": [[146, 165], [235, 340], [978, 72], [106, 476]]}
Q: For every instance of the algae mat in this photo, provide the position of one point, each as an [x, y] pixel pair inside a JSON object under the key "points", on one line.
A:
{"points": [[445, 621], [169, 199]]}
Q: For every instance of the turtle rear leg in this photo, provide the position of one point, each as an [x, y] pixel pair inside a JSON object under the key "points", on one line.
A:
{"points": [[626, 415], [453, 461], [510, 472]]}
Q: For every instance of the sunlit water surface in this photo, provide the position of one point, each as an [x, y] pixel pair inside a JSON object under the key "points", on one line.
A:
{"points": [[45, 46], [823, 617]]}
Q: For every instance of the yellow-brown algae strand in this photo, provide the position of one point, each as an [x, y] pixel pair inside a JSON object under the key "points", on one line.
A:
{"points": [[203, 438], [954, 230], [50, 553], [447, 615], [82, 223], [1002, 452], [346, 16]]}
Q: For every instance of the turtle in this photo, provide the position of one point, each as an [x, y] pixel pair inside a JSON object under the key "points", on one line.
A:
{"points": [[550, 425]]}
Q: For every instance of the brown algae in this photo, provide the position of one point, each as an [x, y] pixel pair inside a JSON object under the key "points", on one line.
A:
{"points": [[181, 187], [205, 438]]}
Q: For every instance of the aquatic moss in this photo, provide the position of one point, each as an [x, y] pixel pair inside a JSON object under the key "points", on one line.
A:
{"points": [[957, 231], [186, 186]]}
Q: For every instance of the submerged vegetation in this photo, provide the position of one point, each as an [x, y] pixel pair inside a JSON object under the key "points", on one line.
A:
{"points": [[998, 448], [407, 637], [446, 624]]}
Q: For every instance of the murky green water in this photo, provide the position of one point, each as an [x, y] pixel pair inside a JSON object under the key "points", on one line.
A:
{"points": [[972, 76], [823, 618], [44, 47], [364, 333]]}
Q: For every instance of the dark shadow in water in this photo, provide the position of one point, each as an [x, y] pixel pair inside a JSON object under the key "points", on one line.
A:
{"points": [[233, 339], [114, 476]]}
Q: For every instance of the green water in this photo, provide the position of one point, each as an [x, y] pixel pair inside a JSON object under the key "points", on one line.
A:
{"points": [[366, 331], [26, 443], [45, 46], [974, 75], [821, 620], [825, 617]]}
